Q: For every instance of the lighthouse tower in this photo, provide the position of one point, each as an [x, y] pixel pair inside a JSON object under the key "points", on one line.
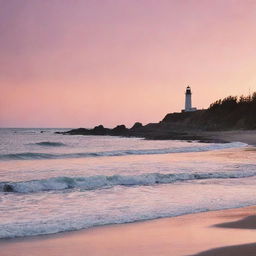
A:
{"points": [[188, 101]]}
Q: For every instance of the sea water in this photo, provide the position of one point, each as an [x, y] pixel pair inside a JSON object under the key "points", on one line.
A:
{"points": [[51, 183]]}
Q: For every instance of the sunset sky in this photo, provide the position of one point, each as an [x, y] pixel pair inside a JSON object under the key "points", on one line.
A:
{"points": [[80, 63]]}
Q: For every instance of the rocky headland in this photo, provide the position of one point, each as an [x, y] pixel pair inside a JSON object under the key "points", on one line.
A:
{"points": [[231, 113]]}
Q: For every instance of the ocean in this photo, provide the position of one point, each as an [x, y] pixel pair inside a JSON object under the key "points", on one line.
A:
{"points": [[52, 183]]}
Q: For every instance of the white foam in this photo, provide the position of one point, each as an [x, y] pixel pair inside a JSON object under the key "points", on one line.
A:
{"points": [[101, 181], [184, 149], [49, 213]]}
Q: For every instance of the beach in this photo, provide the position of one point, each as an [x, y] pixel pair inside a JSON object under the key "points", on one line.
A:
{"points": [[246, 136], [103, 195], [183, 235], [127, 128]]}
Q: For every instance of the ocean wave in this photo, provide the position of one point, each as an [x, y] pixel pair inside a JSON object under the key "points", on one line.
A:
{"points": [[199, 148], [39, 227], [50, 144], [101, 181]]}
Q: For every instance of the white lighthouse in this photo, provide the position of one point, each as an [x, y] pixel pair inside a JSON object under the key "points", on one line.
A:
{"points": [[188, 101]]}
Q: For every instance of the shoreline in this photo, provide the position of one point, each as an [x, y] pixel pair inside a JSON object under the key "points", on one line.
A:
{"points": [[245, 136], [149, 237], [218, 232], [228, 136], [67, 232]]}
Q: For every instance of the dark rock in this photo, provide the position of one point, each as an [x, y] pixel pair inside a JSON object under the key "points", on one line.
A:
{"points": [[99, 127], [119, 130], [8, 188], [99, 130], [137, 125], [79, 131]]}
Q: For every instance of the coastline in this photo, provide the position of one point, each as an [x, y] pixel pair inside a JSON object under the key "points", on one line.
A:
{"points": [[198, 234], [158, 132], [245, 136], [183, 235]]}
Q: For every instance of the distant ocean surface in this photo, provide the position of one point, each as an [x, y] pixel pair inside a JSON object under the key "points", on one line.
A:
{"points": [[51, 183]]}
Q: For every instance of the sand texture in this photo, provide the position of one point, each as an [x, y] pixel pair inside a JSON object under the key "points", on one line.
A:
{"points": [[183, 235]]}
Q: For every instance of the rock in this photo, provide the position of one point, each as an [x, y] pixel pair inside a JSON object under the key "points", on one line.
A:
{"points": [[119, 129], [79, 131], [137, 125], [99, 130], [8, 188]]}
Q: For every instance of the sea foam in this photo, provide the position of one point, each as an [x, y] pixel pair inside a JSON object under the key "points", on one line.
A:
{"points": [[101, 181], [186, 149]]}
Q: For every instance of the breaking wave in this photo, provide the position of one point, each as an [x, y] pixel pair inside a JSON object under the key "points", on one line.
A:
{"points": [[101, 181], [200, 148], [50, 144]]}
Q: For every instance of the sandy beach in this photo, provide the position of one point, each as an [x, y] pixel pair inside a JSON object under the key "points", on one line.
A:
{"points": [[246, 136], [127, 128], [225, 232], [192, 234]]}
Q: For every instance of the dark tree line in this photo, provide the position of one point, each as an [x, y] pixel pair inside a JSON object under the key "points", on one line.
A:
{"points": [[231, 102], [229, 113], [232, 112]]}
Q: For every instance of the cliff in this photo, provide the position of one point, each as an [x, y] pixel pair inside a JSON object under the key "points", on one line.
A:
{"points": [[230, 113]]}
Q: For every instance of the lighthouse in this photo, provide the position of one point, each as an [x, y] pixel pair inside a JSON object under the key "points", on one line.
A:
{"points": [[188, 101]]}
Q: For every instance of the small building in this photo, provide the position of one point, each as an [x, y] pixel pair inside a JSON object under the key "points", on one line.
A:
{"points": [[188, 101]]}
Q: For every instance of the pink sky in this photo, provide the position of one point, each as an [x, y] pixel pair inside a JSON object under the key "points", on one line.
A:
{"points": [[72, 63]]}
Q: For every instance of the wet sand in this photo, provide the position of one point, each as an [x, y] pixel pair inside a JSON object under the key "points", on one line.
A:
{"points": [[239, 250], [248, 222], [183, 235], [246, 136]]}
